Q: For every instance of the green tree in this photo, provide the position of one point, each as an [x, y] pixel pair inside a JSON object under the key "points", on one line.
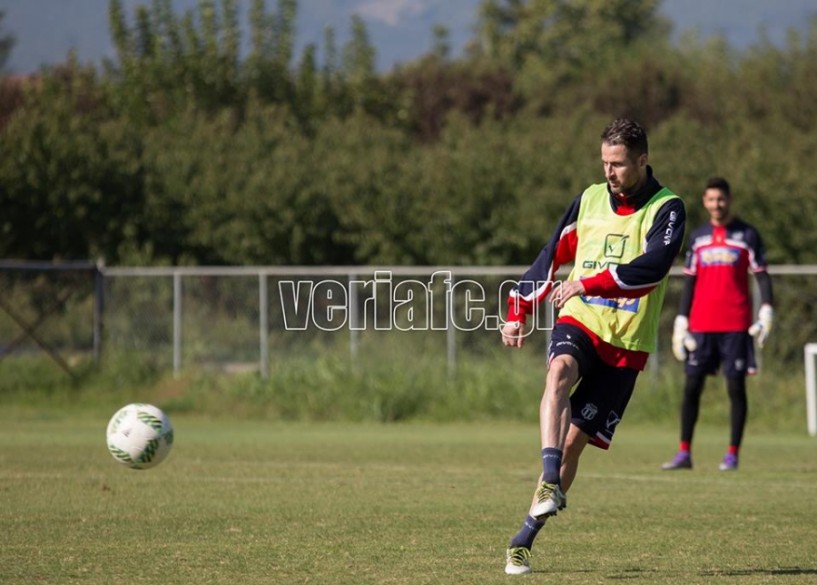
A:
{"points": [[358, 54], [307, 103], [11, 91], [432, 89], [442, 41], [272, 41], [333, 88], [165, 62], [553, 43], [71, 176], [571, 32], [367, 91], [359, 64], [6, 44]]}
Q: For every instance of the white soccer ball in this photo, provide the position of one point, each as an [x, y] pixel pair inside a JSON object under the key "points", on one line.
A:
{"points": [[139, 436]]}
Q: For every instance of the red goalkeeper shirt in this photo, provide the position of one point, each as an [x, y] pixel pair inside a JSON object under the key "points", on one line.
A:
{"points": [[720, 258]]}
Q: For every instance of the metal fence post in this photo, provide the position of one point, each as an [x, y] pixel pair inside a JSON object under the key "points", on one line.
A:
{"points": [[177, 322], [450, 330], [263, 324], [99, 310], [810, 351]]}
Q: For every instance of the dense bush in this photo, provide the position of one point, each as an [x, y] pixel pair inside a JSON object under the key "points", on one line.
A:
{"points": [[182, 150]]}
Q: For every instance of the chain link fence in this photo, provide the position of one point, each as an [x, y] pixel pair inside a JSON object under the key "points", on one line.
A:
{"points": [[254, 318], [51, 309]]}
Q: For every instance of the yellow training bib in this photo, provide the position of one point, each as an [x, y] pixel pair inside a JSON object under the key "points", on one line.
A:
{"points": [[605, 240]]}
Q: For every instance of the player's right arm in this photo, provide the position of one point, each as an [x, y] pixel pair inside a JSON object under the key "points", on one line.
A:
{"points": [[682, 341], [690, 277], [537, 281], [757, 263]]}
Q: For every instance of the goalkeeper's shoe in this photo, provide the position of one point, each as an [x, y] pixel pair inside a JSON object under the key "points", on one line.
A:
{"points": [[682, 460], [549, 499], [729, 463], [517, 561]]}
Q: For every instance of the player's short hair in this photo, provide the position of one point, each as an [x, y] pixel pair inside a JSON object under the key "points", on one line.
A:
{"points": [[719, 183], [628, 133]]}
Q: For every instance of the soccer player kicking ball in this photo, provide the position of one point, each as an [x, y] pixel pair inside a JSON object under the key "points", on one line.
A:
{"points": [[714, 324], [622, 237]]}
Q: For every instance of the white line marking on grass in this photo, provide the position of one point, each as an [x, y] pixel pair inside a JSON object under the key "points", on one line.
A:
{"points": [[674, 476], [32, 475]]}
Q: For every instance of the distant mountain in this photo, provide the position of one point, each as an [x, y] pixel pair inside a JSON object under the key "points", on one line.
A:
{"points": [[400, 30]]}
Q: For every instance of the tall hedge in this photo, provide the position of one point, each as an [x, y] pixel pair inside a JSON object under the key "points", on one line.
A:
{"points": [[187, 149]]}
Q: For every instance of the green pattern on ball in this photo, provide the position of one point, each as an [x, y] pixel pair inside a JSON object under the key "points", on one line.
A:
{"points": [[128, 439], [149, 451], [152, 421], [120, 454]]}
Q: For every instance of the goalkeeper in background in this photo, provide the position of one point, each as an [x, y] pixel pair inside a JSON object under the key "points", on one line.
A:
{"points": [[714, 326]]}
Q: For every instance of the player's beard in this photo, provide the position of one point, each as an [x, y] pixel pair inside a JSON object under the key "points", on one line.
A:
{"points": [[621, 189], [636, 182]]}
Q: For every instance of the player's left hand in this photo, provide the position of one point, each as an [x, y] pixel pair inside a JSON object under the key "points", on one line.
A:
{"points": [[682, 341], [565, 291], [761, 328]]}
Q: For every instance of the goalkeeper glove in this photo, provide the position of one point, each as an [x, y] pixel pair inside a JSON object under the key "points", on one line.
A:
{"points": [[761, 328], [682, 341]]}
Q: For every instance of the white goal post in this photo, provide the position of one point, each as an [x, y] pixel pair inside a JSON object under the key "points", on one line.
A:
{"points": [[810, 351]]}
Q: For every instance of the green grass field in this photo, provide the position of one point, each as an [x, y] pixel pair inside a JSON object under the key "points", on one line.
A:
{"points": [[256, 502]]}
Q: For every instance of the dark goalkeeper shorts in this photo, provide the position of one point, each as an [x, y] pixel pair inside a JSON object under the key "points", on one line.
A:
{"points": [[598, 402], [734, 351]]}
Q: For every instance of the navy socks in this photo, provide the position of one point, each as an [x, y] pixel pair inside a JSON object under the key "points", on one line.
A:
{"points": [[527, 534], [551, 464]]}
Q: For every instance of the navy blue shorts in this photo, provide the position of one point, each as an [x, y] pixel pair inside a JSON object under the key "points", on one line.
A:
{"points": [[734, 351], [598, 402]]}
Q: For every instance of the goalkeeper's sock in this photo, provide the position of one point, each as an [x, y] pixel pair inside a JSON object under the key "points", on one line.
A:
{"points": [[685, 446], [527, 534], [733, 450], [551, 465]]}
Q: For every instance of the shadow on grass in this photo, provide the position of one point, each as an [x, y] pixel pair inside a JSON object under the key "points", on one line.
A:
{"points": [[772, 572], [750, 572]]}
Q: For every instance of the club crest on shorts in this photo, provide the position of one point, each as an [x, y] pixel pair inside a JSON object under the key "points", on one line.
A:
{"points": [[589, 411]]}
